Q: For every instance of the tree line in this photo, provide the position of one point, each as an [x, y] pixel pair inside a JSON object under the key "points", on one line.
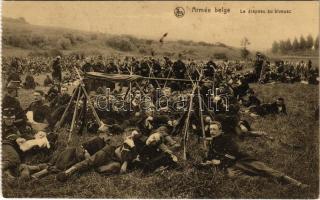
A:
{"points": [[297, 45]]}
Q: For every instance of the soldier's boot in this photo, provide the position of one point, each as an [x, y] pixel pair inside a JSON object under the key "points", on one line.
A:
{"points": [[172, 143], [111, 168], [8, 178], [64, 176], [294, 182], [24, 171], [36, 168], [40, 174], [8, 175], [27, 170]]}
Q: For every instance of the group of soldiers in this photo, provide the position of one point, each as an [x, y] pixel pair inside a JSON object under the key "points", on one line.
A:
{"points": [[152, 130], [264, 70], [285, 71]]}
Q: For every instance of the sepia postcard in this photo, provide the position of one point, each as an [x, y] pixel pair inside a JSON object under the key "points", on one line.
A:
{"points": [[160, 99]]}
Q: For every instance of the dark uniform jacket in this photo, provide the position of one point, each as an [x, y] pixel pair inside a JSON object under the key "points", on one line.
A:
{"points": [[270, 108], [9, 135], [67, 158], [60, 100], [12, 102], [86, 67], [156, 69], [258, 67], [225, 149], [179, 69], [251, 101], [144, 69], [41, 112], [13, 76], [47, 81], [56, 70], [209, 69], [29, 82]]}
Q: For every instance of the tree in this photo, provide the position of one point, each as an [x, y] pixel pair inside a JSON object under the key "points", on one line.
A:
{"points": [[316, 43], [309, 42], [245, 52], [295, 44], [303, 43], [282, 46], [245, 42], [275, 47], [288, 45]]}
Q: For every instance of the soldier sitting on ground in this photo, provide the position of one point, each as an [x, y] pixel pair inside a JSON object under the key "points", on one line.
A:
{"points": [[48, 81], [11, 153], [61, 99], [14, 144], [10, 101], [29, 82], [13, 76], [38, 113], [53, 92]]}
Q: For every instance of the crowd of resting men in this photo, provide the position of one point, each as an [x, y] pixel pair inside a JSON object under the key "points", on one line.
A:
{"points": [[279, 70], [151, 138]]}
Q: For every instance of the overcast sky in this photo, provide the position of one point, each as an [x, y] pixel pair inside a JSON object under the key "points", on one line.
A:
{"points": [[152, 19]]}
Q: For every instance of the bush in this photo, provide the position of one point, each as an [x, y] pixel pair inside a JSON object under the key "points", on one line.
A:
{"points": [[149, 42], [71, 37], [93, 37], [142, 50], [81, 38], [38, 41], [64, 43], [120, 43], [18, 41]]}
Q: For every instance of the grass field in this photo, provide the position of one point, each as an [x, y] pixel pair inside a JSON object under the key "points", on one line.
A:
{"points": [[294, 151]]}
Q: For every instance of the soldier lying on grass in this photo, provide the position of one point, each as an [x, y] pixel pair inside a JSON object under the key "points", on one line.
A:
{"points": [[109, 159], [64, 159], [224, 154]]}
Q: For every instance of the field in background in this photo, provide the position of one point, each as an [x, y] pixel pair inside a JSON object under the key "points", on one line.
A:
{"points": [[21, 38], [294, 151]]}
